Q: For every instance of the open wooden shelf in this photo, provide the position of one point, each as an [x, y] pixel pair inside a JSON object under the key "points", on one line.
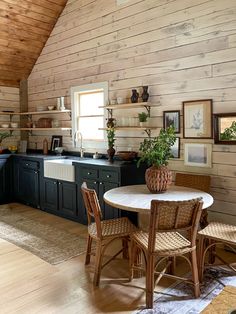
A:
{"points": [[43, 112], [127, 106], [131, 128], [35, 129]]}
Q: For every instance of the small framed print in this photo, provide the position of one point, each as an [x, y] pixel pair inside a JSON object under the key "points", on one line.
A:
{"points": [[197, 155], [197, 117], [175, 149], [56, 142], [172, 118]]}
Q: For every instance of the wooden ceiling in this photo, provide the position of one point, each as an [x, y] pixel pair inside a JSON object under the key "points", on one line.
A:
{"points": [[25, 26]]}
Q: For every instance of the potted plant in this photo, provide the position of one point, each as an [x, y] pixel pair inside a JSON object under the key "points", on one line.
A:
{"points": [[142, 118], [2, 137], [111, 140], [156, 152]]}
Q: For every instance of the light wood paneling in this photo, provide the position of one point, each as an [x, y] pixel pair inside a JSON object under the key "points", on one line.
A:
{"points": [[10, 100], [182, 49]]}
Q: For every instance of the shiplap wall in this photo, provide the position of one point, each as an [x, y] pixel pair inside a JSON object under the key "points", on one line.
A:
{"points": [[10, 100], [181, 49]]}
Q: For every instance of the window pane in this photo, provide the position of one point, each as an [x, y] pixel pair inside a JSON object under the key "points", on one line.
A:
{"points": [[89, 128], [89, 103]]}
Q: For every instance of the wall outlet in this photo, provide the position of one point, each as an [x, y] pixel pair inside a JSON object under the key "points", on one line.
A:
{"points": [[120, 2]]}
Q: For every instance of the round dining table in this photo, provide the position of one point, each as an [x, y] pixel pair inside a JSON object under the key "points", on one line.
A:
{"points": [[137, 198]]}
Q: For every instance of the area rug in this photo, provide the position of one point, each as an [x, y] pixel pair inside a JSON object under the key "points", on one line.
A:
{"points": [[49, 243], [178, 299]]}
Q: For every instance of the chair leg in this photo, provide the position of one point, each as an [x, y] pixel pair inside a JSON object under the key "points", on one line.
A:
{"points": [[88, 251], [98, 264], [131, 260], [201, 258], [195, 274], [149, 281]]}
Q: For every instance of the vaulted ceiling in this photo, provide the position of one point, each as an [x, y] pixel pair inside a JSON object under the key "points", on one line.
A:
{"points": [[25, 26]]}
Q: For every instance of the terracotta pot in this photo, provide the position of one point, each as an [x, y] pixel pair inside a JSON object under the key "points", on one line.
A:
{"points": [[111, 152], [158, 179]]}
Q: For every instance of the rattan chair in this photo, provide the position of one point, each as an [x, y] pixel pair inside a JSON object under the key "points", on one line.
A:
{"points": [[214, 234], [103, 232], [195, 181], [163, 242]]}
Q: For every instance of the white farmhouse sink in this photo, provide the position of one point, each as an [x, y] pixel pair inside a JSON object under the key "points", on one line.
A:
{"points": [[61, 169]]}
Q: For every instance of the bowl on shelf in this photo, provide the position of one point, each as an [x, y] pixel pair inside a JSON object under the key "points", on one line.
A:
{"points": [[14, 125], [126, 155], [51, 107], [5, 125]]}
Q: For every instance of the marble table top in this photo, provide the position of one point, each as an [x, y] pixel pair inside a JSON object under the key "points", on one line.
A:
{"points": [[138, 198]]}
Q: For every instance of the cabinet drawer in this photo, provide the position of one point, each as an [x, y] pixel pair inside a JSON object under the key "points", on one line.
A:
{"points": [[108, 175], [30, 164], [89, 173]]}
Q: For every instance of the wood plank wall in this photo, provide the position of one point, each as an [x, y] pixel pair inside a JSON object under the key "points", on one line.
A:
{"points": [[181, 49], [10, 100]]}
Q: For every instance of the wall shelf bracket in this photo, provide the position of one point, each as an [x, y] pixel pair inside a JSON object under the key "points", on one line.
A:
{"points": [[148, 131]]}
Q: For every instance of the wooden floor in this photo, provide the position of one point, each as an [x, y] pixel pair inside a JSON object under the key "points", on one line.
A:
{"points": [[30, 285]]}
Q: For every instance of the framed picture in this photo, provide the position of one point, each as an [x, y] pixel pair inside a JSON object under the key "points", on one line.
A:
{"points": [[175, 149], [56, 142], [198, 155], [197, 116], [172, 118]]}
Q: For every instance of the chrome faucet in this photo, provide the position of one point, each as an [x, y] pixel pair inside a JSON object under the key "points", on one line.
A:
{"points": [[76, 139]]}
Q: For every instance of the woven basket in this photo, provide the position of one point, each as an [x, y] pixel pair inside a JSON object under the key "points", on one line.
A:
{"points": [[158, 179]]}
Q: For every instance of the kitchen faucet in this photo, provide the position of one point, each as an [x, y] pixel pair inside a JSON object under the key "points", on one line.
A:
{"points": [[76, 139]]}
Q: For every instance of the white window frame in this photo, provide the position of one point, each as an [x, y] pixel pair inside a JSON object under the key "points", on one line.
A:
{"points": [[75, 108]]}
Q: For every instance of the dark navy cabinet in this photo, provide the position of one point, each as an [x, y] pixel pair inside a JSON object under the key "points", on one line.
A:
{"points": [[59, 197], [26, 181], [5, 180], [103, 177]]}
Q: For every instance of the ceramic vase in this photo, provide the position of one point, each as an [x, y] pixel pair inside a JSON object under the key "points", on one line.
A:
{"points": [[111, 152], [145, 94], [134, 96], [158, 179]]}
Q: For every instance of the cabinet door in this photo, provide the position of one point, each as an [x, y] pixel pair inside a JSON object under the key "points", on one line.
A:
{"points": [[50, 195], [29, 190], [67, 199], [5, 181], [108, 211]]}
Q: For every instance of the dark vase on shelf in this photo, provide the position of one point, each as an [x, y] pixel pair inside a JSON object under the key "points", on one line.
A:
{"points": [[111, 122], [135, 96], [111, 152], [145, 94]]}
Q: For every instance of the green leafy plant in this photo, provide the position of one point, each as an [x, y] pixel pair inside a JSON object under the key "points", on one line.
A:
{"points": [[229, 133], [4, 135], [142, 117], [157, 151], [111, 137]]}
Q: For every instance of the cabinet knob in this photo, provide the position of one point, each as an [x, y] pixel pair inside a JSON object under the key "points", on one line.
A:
{"points": [[95, 182], [108, 176], [27, 164], [89, 173], [36, 172], [101, 183], [59, 183], [54, 182]]}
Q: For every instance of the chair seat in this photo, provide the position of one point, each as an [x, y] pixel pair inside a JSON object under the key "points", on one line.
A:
{"points": [[220, 231], [113, 227], [166, 242]]}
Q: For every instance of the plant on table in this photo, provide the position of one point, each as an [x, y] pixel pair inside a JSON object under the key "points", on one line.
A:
{"points": [[156, 152]]}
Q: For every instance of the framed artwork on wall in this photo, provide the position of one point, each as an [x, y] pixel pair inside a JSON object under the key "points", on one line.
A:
{"points": [[172, 118], [175, 149], [197, 155], [197, 117], [56, 142]]}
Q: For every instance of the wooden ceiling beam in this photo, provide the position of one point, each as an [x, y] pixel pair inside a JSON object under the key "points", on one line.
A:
{"points": [[10, 83]]}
